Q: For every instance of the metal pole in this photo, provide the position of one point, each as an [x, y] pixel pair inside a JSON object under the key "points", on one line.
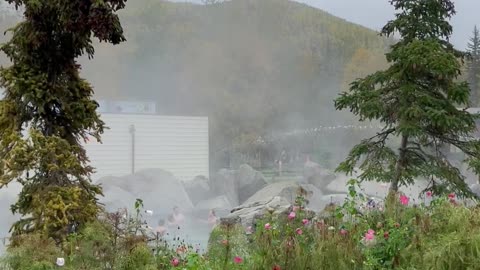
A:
{"points": [[132, 132]]}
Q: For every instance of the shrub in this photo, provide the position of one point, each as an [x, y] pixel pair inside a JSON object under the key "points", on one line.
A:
{"points": [[451, 241], [139, 258], [31, 252]]}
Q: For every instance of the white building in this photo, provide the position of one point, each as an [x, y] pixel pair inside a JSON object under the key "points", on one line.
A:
{"points": [[133, 142]]}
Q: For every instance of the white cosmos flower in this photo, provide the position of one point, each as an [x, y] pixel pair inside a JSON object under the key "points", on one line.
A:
{"points": [[60, 262]]}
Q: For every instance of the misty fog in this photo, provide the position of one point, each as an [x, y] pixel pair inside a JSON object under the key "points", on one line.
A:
{"points": [[264, 72]]}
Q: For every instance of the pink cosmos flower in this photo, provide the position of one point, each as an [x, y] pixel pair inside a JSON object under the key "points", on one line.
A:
{"points": [[404, 200], [429, 194], [268, 226], [343, 232], [237, 260], [295, 208], [299, 231], [292, 215], [276, 267], [369, 237], [451, 196], [174, 262], [305, 221]]}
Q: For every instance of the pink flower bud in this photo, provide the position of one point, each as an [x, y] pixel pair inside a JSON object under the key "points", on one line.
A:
{"points": [[174, 262]]}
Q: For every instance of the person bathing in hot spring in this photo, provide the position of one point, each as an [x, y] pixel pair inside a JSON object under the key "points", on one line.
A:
{"points": [[212, 219], [161, 229], [176, 219]]}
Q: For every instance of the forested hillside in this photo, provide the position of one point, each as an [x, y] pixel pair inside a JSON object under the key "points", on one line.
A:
{"points": [[252, 66]]}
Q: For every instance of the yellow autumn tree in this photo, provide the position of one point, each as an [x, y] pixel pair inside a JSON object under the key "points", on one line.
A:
{"points": [[363, 62]]}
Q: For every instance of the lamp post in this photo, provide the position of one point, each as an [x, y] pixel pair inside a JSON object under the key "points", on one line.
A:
{"points": [[132, 133]]}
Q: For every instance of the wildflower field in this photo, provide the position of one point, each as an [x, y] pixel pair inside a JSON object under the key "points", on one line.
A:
{"points": [[438, 233]]}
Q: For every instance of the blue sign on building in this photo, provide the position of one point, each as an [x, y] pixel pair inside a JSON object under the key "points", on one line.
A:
{"points": [[127, 107]]}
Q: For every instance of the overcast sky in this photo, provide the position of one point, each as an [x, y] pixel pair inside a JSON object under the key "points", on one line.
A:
{"points": [[375, 13]]}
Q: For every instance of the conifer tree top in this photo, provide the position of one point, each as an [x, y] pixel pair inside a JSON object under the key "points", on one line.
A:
{"points": [[416, 99]]}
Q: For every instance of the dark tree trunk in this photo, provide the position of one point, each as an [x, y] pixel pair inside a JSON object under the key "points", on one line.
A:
{"points": [[400, 164]]}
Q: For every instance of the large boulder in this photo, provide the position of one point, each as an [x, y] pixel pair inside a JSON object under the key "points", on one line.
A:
{"points": [[159, 190], [314, 174], [248, 181], [248, 212], [315, 198], [277, 197], [340, 185], [287, 190], [336, 199], [116, 198], [221, 205], [223, 183], [373, 189], [475, 189], [198, 189]]}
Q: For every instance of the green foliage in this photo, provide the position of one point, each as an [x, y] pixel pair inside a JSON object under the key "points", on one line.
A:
{"points": [[451, 240], [285, 241], [45, 95], [441, 233], [416, 100], [92, 248], [32, 252], [226, 242], [139, 258]]}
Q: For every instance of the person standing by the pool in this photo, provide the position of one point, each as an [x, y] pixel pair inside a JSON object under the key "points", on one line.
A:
{"points": [[212, 218]]}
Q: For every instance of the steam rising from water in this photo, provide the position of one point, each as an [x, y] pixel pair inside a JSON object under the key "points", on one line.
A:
{"points": [[242, 79]]}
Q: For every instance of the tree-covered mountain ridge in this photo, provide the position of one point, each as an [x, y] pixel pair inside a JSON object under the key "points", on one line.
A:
{"points": [[252, 66]]}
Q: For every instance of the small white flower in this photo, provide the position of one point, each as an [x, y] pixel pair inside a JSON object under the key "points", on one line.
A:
{"points": [[60, 262], [149, 212], [331, 228]]}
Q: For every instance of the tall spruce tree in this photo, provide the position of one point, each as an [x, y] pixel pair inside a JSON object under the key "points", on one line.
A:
{"points": [[416, 99], [473, 66], [48, 110]]}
